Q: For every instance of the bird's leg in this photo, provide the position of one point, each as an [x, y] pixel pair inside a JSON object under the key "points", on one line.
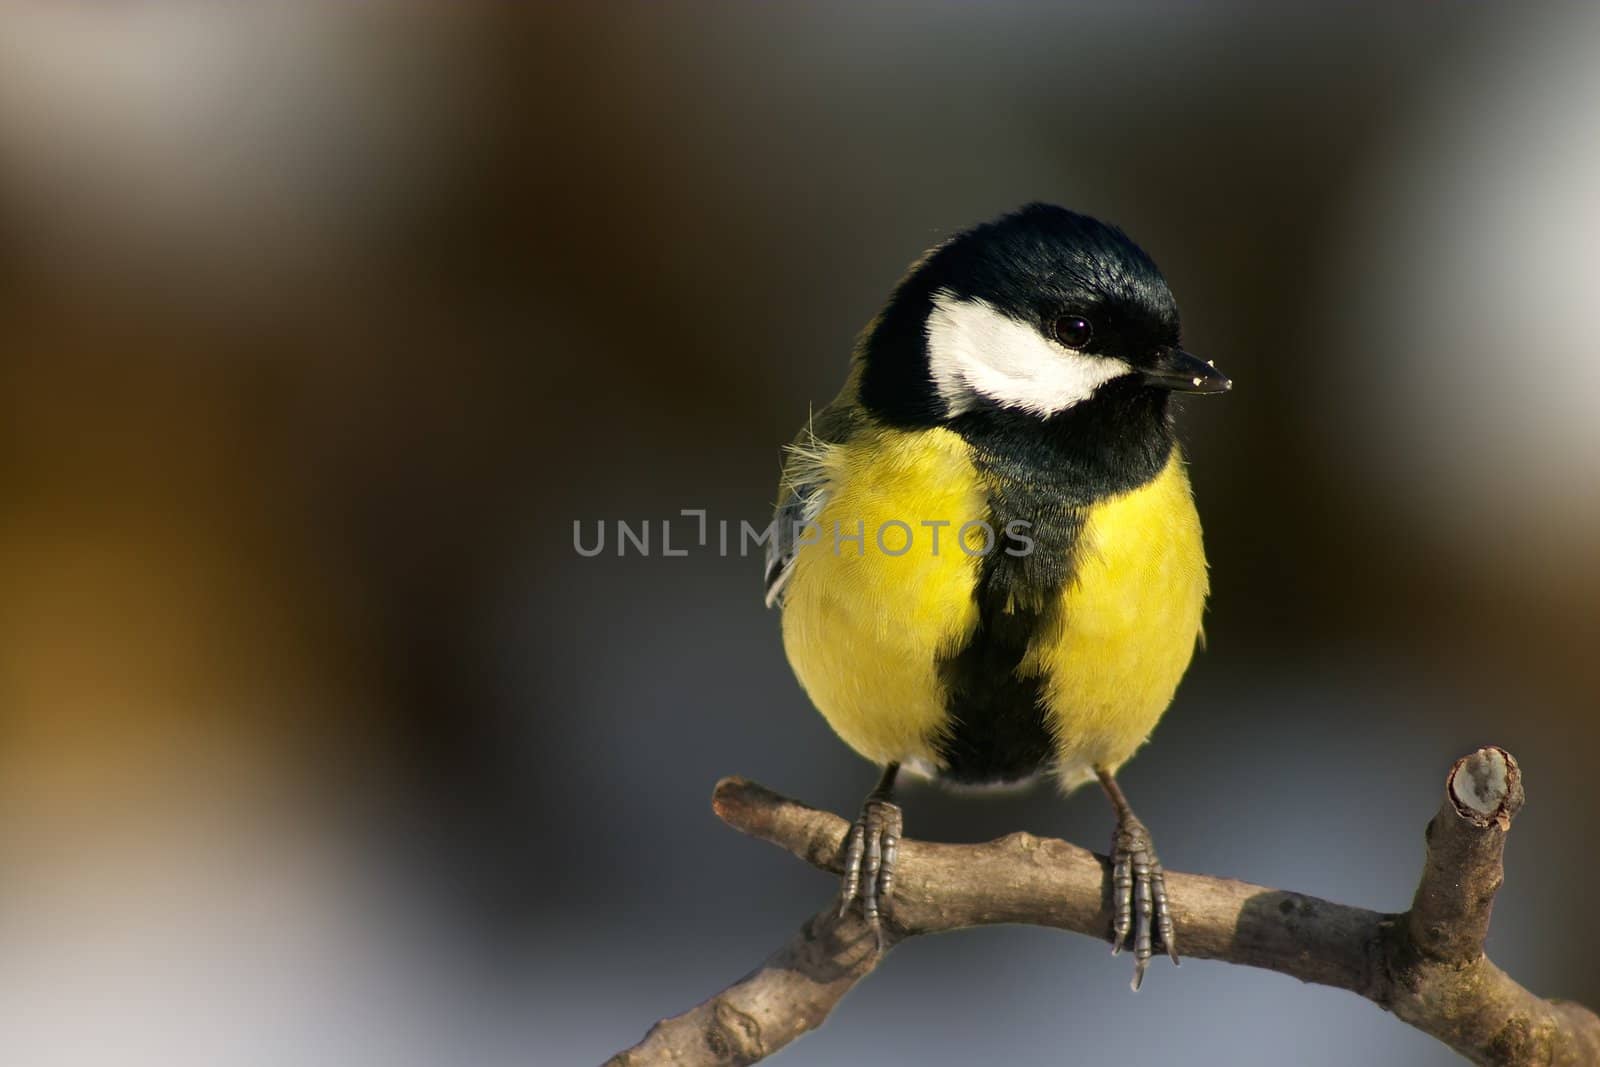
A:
{"points": [[870, 854], [1138, 886]]}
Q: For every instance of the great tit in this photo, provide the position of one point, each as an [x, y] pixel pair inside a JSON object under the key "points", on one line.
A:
{"points": [[986, 551]]}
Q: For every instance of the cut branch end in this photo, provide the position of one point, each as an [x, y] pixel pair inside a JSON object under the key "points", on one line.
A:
{"points": [[1427, 966]]}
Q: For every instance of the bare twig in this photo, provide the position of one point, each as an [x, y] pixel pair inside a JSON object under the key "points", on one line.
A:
{"points": [[1426, 966]]}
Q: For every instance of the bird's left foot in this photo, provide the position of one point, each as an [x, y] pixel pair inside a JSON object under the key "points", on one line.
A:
{"points": [[1139, 897]]}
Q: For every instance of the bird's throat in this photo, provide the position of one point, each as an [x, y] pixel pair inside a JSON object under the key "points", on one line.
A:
{"points": [[1112, 443]]}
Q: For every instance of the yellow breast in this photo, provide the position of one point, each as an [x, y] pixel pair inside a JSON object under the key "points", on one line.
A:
{"points": [[865, 629], [1129, 624]]}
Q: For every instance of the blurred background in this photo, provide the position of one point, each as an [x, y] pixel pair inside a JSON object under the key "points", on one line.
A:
{"points": [[320, 326]]}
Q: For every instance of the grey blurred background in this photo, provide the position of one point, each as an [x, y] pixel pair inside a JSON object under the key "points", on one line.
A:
{"points": [[321, 325]]}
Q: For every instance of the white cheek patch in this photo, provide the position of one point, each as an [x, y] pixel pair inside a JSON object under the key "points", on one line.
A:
{"points": [[976, 351]]}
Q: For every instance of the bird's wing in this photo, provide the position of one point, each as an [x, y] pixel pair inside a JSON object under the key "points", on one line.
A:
{"points": [[803, 492]]}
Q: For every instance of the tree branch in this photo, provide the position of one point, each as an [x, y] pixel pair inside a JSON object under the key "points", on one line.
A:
{"points": [[1426, 966]]}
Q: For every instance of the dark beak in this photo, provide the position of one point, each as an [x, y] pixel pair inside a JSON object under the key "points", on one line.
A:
{"points": [[1177, 370]]}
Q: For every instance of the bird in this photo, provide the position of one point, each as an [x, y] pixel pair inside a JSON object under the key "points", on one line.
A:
{"points": [[986, 553]]}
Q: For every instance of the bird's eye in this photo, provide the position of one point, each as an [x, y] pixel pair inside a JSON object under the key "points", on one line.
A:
{"points": [[1073, 331]]}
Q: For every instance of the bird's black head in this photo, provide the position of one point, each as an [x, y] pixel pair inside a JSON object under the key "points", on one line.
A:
{"points": [[1031, 315]]}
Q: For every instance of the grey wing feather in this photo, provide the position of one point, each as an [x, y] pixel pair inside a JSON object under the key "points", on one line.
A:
{"points": [[801, 505], [803, 493]]}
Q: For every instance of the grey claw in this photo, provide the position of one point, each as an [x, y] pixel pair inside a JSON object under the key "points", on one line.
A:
{"points": [[1142, 910], [869, 863], [1158, 886], [869, 876], [852, 866], [1122, 894], [1139, 895]]}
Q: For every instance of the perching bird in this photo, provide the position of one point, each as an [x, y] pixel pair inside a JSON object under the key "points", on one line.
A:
{"points": [[986, 550]]}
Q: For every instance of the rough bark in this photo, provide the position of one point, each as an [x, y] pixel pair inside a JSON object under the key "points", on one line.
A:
{"points": [[1427, 966]]}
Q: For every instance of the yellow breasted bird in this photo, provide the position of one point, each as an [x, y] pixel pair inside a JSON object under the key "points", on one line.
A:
{"points": [[986, 551]]}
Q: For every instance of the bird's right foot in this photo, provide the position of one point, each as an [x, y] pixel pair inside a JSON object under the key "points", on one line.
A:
{"points": [[869, 862]]}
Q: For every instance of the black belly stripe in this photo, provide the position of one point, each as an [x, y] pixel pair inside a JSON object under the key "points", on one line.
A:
{"points": [[997, 729], [1047, 476]]}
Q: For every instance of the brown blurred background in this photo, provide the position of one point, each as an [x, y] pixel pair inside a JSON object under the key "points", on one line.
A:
{"points": [[321, 325]]}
